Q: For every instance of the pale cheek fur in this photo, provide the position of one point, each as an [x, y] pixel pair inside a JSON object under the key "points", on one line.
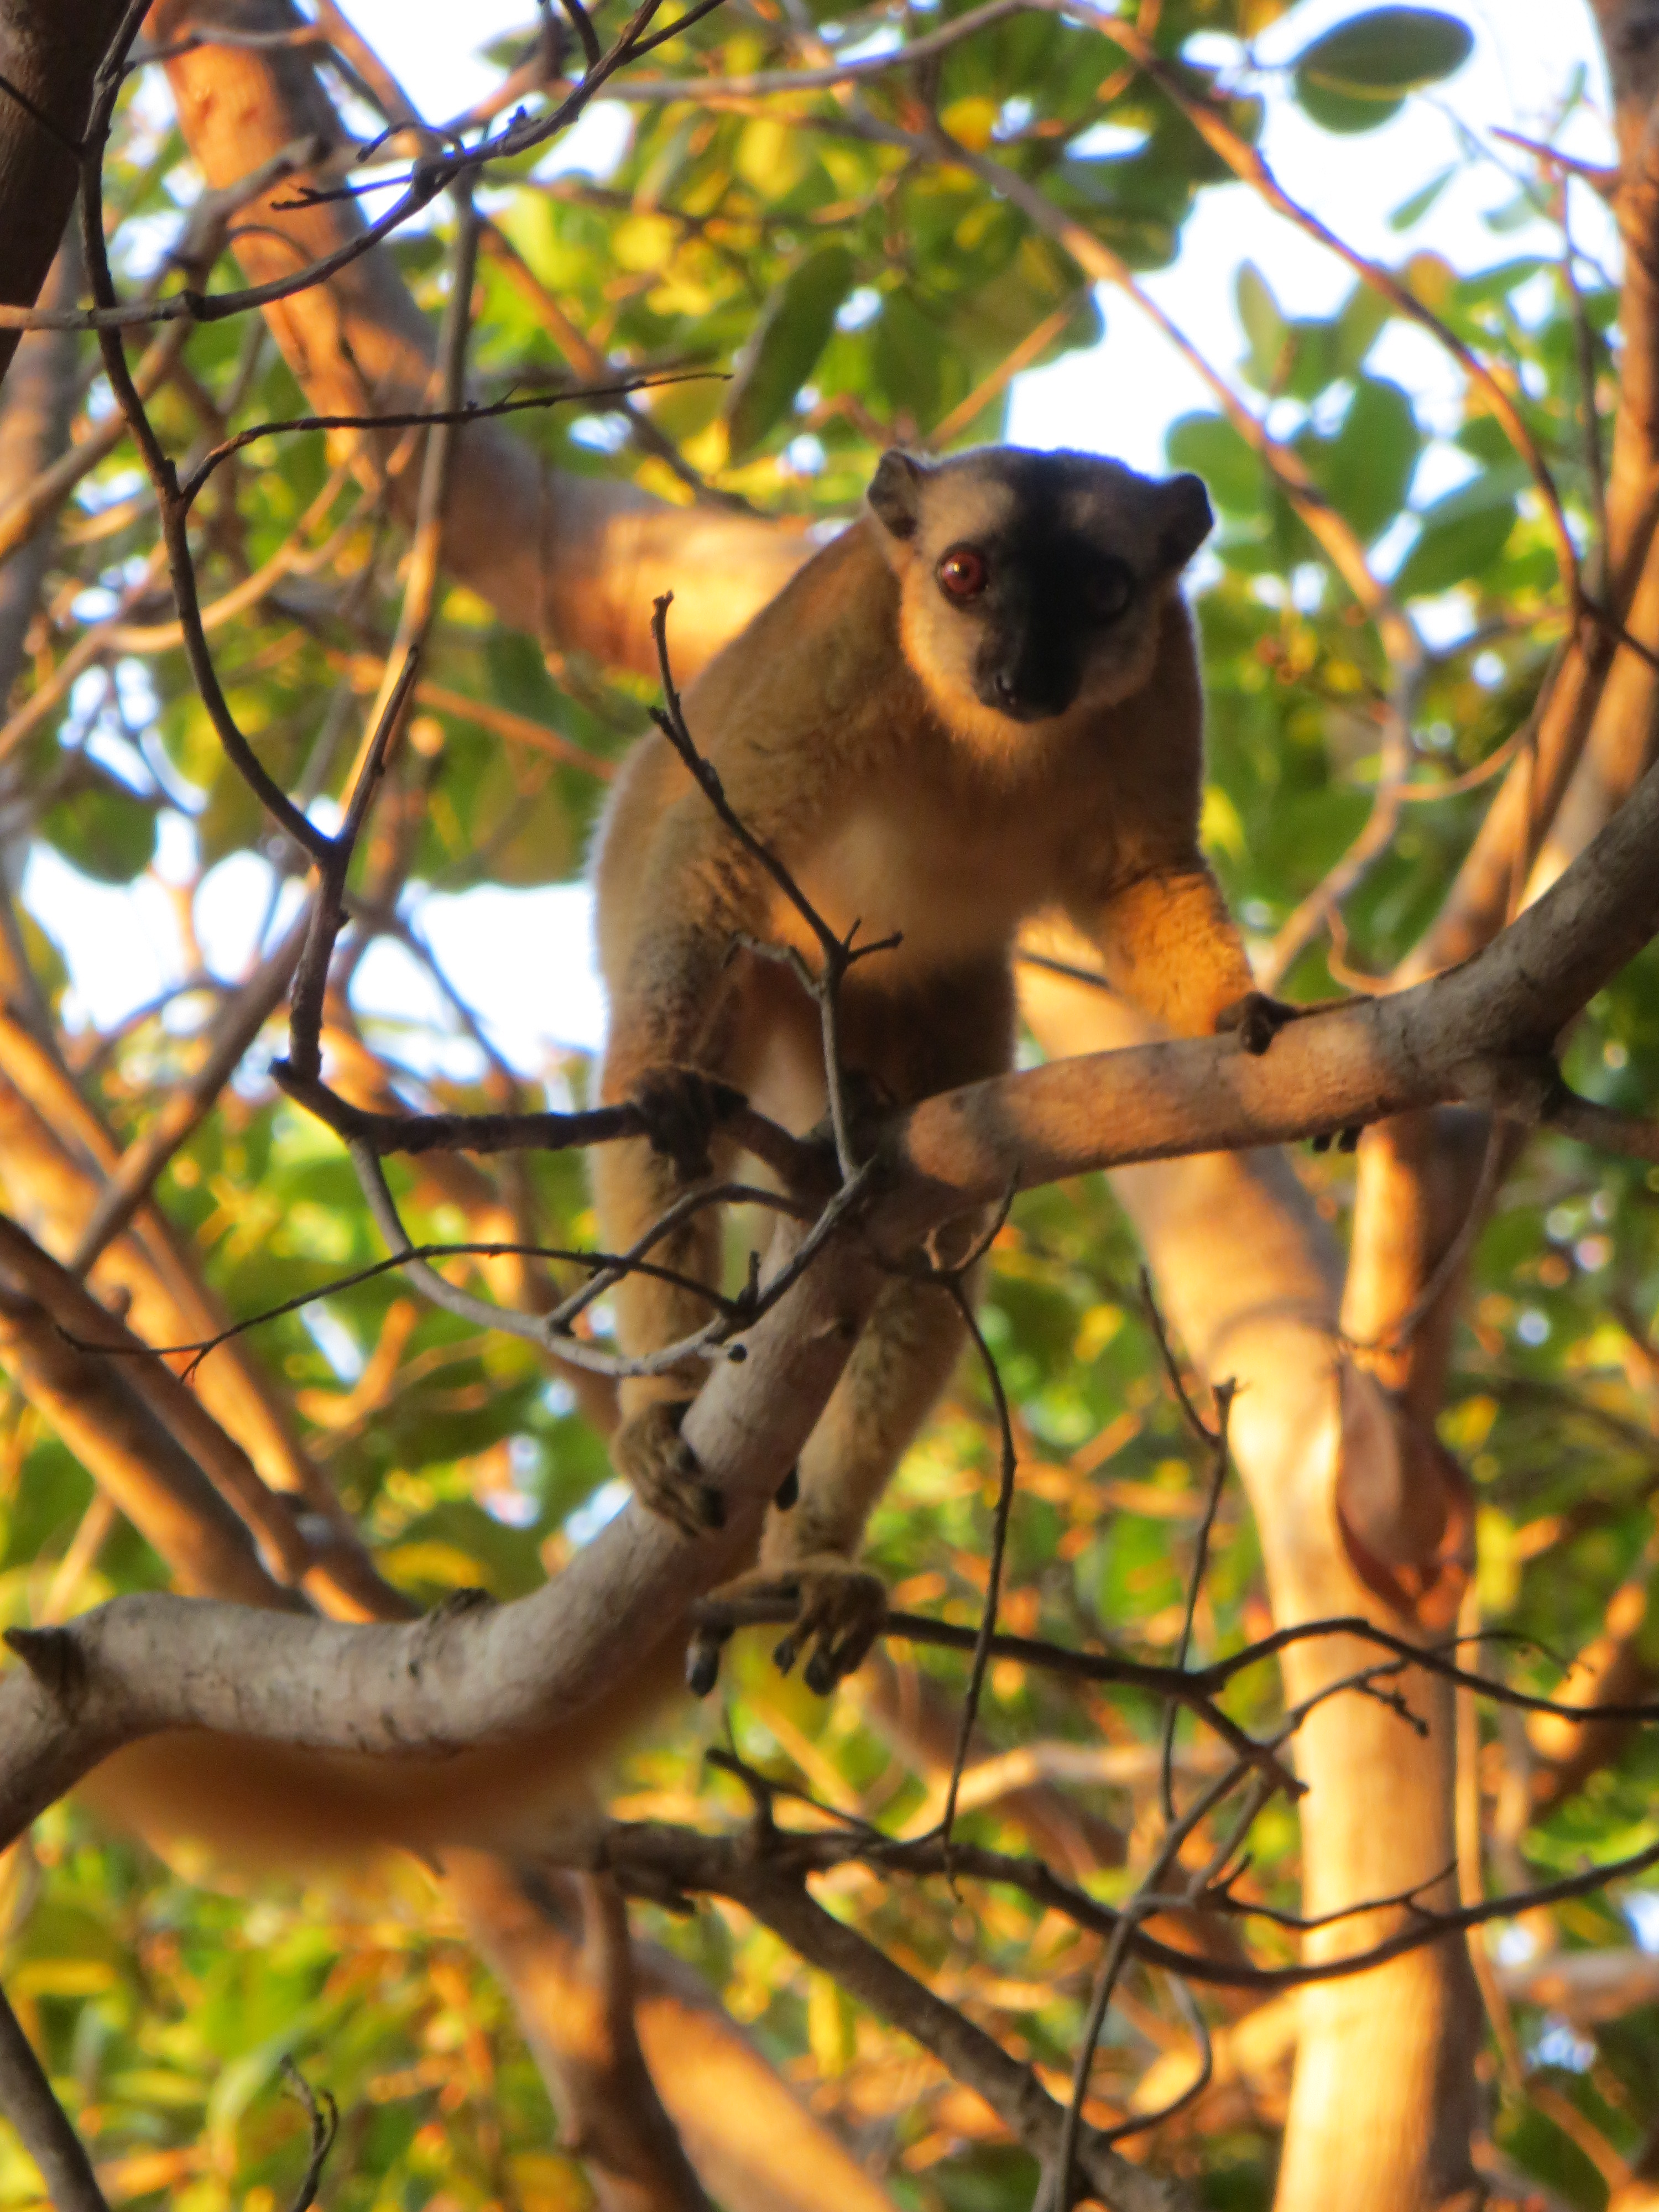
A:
{"points": [[941, 648]]}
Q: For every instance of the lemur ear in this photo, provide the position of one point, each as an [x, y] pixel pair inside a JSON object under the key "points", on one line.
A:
{"points": [[1185, 520], [896, 493]]}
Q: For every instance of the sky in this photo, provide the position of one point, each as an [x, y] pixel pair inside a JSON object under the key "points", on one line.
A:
{"points": [[124, 947]]}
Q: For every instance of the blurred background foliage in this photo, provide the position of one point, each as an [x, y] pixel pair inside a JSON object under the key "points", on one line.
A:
{"points": [[859, 295]]}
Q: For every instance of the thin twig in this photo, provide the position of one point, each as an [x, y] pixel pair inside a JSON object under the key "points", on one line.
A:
{"points": [[1005, 1505], [1145, 1902], [328, 902], [323, 2116], [421, 418], [27, 2099], [1224, 1393], [839, 954], [431, 176], [1197, 1685], [199, 1347]]}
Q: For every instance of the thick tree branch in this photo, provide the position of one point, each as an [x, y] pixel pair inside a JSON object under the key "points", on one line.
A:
{"points": [[1480, 1034]]}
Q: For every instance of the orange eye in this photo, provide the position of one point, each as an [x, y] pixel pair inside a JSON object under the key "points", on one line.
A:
{"points": [[962, 573]]}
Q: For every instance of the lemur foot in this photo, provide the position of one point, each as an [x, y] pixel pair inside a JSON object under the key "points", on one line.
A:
{"points": [[839, 1609], [1256, 1019], [681, 1108], [650, 1453]]}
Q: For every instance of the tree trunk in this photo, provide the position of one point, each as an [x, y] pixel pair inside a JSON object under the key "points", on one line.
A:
{"points": [[50, 50], [34, 427], [1382, 2103]]}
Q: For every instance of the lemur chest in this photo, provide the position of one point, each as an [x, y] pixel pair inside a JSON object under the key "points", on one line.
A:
{"points": [[950, 888]]}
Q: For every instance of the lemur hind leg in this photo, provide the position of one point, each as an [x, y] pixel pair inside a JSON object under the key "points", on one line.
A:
{"points": [[633, 1186], [900, 1365], [960, 1029]]}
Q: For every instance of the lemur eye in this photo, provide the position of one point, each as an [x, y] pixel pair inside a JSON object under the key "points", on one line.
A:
{"points": [[1109, 588], [962, 573]]}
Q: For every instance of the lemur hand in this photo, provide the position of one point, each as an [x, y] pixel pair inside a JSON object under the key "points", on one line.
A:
{"points": [[1256, 1019], [681, 1109], [649, 1451]]}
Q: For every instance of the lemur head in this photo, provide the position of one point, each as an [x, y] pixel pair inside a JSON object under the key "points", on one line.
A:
{"points": [[1032, 583]]}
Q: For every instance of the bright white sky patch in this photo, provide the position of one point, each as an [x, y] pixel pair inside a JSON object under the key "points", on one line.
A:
{"points": [[1642, 1911]]}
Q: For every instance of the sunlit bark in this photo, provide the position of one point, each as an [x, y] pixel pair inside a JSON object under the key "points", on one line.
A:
{"points": [[1381, 2105]]}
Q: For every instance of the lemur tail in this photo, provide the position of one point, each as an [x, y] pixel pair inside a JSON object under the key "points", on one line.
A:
{"points": [[264, 1808]]}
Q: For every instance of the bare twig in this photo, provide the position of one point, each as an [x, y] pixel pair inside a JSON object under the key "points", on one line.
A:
{"points": [[1005, 1504], [430, 177], [1224, 1393], [239, 1024], [328, 907], [456, 417], [323, 2115], [27, 2099]]}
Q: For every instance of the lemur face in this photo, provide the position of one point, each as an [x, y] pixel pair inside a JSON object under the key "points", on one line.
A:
{"points": [[1033, 583]]}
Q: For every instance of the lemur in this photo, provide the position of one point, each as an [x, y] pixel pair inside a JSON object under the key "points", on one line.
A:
{"points": [[980, 700]]}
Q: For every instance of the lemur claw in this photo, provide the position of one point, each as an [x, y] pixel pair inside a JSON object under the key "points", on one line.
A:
{"points": [[702, 1659], [665, 1473], [680, 1108], [839, 1608], [839, 1611], [1256, 1020]]}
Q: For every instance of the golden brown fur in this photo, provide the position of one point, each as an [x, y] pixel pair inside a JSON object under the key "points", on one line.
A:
{"points": [[272, 1808]]}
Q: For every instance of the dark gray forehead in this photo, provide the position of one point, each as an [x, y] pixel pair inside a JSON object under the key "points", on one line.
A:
{"points": [[1006, 489]]}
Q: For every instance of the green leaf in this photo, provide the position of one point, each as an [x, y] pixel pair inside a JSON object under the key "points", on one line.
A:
{"points": [[1356, 75], [787, 346], [1457, 541], [1211, 448], [907, 358], [1367, 467], [1265, 325], [1485, 438], [1413, 210], [1357, 327], [107, 832]]}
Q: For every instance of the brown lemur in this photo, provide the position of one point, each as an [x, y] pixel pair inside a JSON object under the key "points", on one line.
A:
{"points": [[980, 700]]}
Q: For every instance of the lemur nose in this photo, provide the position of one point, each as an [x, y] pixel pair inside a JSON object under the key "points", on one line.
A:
{"points": [[1004, 687]]}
